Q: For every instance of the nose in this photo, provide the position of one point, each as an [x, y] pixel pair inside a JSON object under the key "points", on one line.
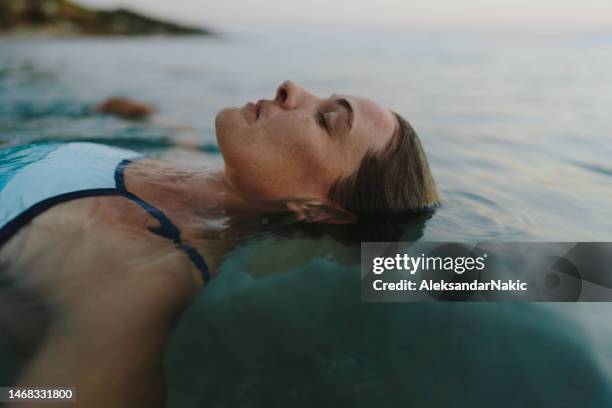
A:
{"points": [[289, 95]]}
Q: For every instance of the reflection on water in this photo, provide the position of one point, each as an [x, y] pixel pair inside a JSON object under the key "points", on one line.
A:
{"points": [[517, 132]]}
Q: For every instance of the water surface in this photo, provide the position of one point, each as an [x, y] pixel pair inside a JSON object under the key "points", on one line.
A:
{"points": [[517, 130]]}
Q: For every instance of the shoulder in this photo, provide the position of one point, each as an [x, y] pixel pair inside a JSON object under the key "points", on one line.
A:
{"points": [[97, 242]]}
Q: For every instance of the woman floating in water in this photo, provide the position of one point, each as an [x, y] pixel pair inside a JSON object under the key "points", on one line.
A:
{"points": [[114, 245]]}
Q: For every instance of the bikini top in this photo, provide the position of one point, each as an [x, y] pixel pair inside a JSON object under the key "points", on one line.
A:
{"points": [[35, 177]]}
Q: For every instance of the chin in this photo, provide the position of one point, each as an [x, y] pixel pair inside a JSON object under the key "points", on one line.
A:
{"points": [[226, 122], [221, 118]]}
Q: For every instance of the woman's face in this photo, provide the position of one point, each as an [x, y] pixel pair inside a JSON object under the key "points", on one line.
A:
{"points": [[297, 144]]}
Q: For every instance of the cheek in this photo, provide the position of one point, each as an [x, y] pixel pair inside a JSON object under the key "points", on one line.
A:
{"points": [[285, 158], [281, 169], [297, 148]]}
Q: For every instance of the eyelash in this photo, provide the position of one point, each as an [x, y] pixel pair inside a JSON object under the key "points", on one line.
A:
{"points": [[321, 120]]}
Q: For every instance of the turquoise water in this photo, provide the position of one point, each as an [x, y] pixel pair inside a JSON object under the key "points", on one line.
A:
{"points": [[517, 130]]}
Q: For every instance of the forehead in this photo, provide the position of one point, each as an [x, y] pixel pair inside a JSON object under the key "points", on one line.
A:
{"points": [[372, 121]]}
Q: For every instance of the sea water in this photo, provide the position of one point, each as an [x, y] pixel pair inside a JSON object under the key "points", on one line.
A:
{"points": [[517, 129]]}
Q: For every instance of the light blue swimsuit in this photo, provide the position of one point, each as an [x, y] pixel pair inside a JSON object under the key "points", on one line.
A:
{"points": [[35, 177]]}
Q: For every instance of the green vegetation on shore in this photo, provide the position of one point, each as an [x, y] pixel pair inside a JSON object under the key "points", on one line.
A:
{"points": [[66, 18]]}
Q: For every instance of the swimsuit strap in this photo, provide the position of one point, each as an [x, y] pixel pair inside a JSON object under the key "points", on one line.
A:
{"points": [[13, 226], [167, 229]]}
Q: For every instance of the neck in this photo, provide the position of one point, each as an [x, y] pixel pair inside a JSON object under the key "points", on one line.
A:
{"points": [[210, 213], [211, 192], [187, 192]]}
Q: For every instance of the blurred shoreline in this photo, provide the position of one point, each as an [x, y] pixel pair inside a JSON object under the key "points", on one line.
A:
{"points": [[64, 18]]}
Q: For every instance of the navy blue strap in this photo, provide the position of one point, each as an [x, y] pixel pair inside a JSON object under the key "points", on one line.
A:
{"points": [[11, 227], [167, 229]]}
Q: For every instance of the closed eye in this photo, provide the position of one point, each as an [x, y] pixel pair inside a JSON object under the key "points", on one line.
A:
{"points": [[321, 121]]}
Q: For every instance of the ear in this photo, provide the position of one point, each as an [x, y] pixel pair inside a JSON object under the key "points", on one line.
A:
{"points": [[320, 212]]}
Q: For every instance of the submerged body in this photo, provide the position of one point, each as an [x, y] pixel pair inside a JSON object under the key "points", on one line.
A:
{"points": [[109, 243]]}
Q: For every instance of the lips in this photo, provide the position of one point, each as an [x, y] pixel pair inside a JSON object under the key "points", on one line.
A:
{"points": [[251, 112]]}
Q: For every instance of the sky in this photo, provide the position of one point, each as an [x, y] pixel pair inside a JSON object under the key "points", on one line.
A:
{"points": [[545, 15]]}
